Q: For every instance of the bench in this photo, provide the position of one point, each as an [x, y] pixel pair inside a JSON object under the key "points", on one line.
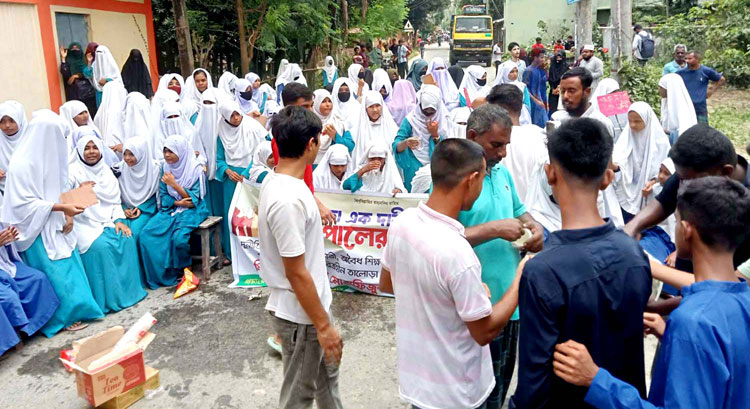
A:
{"points": [[210, 226]]}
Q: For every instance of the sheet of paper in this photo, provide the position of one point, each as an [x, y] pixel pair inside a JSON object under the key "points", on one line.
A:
{"points": [[82, 196]]}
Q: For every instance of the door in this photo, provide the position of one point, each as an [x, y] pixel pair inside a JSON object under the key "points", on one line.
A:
{"points": [[72, 28]]}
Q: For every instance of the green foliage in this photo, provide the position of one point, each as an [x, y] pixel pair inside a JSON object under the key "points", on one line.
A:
{"points": [[421, 10], [642, 83], [384, 18], [550, 34], [733, 120]]}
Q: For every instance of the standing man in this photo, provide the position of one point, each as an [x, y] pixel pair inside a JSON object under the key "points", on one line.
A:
{"points": [[498, 218], [444, 319], [497, 54], [294, 267], [403, 59], [537, 45], [593, 64], [570, 44], [643, 45], [515, 56], [421, 47], [536, 83], [679, 60], [374, 55], [696, 78]]}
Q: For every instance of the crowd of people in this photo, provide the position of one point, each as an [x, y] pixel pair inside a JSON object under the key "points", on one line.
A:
{"points": [[605, 203]]}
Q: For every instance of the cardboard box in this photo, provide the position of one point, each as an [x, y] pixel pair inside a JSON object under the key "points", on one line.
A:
{"points": [[117, 375], [152, 379], [126, 399]]}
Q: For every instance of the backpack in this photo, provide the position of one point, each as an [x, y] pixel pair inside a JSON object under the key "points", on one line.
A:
{"points": [[647, 47]]}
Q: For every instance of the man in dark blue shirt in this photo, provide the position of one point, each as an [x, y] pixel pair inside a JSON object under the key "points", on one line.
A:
{"points": [[703, 362], [696, 78], [591, 282]]}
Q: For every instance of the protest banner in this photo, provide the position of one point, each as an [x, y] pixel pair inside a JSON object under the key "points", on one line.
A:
{"points": [[353, 246], [614, 104]]}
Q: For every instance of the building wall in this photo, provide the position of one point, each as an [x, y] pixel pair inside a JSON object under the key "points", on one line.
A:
{"points": [[22, 70], [522, 16]]}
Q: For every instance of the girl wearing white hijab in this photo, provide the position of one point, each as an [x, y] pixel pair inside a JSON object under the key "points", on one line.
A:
{"points": [[473, 85], [377, 172], [639, 152], [356, 75], [108, 250], [243, 94], [607, 86], [420, 132], [330, 72], [381, 83], [677, 111], [375, 125], [137, 119], [76, 114], [161, 97], [457, 120], [238, 137], [175, 82], [110, 157], [195, 85], [164, 241], [292, 73], [508, 74], [110, 116], [139, 183], [262, 162], [207, 126], [263, 95], [174, 122], [282, 67], [439, 70], [32, 204], [226, 83], [345, 105], [334, 130], [335, 167], [104, 69], [12, 127]]}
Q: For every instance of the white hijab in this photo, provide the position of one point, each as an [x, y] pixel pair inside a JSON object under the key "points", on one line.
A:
{"points": [[140, 181], [323, 178], [367, 133], [38, 174], [161, 97], [192, 100], [226, 83], [110, 115], [71, 109], [503, 76], [9, 143], [457, 120], [187, 170], [247, 105], [251, 77], [282, 67], [380, 181], [606, 86], [470, 86], [346, 112], [90, 224], [137, 119], [427, 97], [103, 67], [239, 141], [639, 155], [207, 126], [329, 68], [380, 80], [353, 73], [422, 180], [320, 95], [110, 157], [444, 81], [178, 126], [292, 73], [677, 110], [260, 156], [167, 78]]}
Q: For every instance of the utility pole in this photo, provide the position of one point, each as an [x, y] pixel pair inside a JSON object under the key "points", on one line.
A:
{"points": [[182, 34], [584, 15]]}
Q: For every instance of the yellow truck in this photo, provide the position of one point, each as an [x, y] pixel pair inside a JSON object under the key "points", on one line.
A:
{"points": [[471, 36]]}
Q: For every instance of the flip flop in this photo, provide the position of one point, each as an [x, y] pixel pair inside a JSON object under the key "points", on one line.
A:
{"points": [[77, 326], [273, 344]]}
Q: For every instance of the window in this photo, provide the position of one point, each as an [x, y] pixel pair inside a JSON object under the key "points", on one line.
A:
{"points": [[72, 28], [473, 24]]}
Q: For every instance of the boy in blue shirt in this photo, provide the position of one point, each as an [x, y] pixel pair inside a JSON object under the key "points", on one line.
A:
{"points": [[696, 78], [703, 362]]}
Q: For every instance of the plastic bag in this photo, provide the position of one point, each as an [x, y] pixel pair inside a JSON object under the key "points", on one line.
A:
{"points": [[188, 283]]}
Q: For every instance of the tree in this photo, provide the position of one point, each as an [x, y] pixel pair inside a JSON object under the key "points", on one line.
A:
{"points": [[584, 16], [420, 10], [182, 30]]}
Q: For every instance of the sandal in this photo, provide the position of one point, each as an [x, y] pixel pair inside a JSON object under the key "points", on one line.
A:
{"points": [[77, 326], [275, 345], [227, 262]]}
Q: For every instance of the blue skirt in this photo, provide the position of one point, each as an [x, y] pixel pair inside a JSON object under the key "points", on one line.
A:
{"points": [[113, 270], [69, 281]]}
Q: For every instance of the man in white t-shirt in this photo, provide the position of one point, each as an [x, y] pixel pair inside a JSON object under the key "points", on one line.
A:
{"points": [[444, 318], [497, 54], [293, 258]]}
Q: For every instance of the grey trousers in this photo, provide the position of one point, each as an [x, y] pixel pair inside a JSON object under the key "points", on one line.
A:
{"points": [[307, 375]]}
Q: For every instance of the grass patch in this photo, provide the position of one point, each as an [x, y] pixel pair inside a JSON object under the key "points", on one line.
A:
{"points": [[729, 112]]}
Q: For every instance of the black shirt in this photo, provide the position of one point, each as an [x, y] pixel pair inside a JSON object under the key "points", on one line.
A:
{"points": [[589, 285], [570, 44]]}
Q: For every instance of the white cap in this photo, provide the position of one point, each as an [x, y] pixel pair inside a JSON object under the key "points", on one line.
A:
{"points": [[588, 47]]}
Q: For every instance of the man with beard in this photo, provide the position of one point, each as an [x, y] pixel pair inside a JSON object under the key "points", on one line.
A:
{"points": [[593, 64]]}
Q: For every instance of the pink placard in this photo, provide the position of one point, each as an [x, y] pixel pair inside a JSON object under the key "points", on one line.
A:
{"points": [[614, 104]]}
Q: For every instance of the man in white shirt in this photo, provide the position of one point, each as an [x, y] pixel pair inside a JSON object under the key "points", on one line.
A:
{"points": [[444, 319], [497, 54], [593, 64], [291, 247], [640, 35], [527, 149]]}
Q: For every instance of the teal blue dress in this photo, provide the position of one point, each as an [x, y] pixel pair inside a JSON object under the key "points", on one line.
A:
{"points": [[113, 270], [215, 197], [71, 285], [353, 183], [325, 78], [406, 161], [148, 210], [227, 191], [165, 240]]}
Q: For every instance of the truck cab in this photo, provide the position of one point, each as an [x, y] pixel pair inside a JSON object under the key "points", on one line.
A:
{"points": [[471, 36]]}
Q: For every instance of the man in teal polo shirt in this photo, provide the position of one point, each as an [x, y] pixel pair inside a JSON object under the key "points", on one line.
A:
{"points": [[497, 218]]}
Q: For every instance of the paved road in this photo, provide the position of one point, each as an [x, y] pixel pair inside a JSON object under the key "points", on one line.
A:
{"points": [[432, 50]]}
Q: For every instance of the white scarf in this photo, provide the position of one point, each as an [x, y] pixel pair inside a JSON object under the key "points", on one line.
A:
{"points": [[179, 126], [207, 126], [329, 68], [427, 97], [187, 170], [252, 77], [260, 160], [90, 224], [137, 120], [110, 157], [353, 73], [320, 95], [292, 73], [161, 97], [323, 178], [9, 143], [380, 181], [247, 105], [443, 79], [104, 67], [37, 175], [239, 141], [71, 109], [167, 78], [422, 180], [192, 100], [677, 110], [639, 155], [470, 86], [110, 115], [346, 112], [381, 79], [367, 132], [226, 83], [138, 183], [457, 121]]}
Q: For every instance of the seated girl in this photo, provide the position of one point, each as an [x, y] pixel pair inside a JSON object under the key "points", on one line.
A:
{"points": [[165, 240], [108, 251], [139, 184], [335, 167], [262, 162], [377, 173]]}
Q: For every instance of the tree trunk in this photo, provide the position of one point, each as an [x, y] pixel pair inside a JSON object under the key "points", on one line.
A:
{"points": [[256, 31], [621, 33], [584, 15], [244, 59], [182, 34], [345, 21], [364, 11]]}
